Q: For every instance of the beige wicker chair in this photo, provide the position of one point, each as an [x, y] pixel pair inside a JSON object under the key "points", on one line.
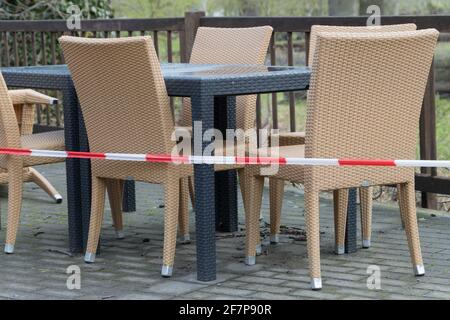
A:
{"points": [[378, 82], [126, 109], [227, 46], [296, 138], [24, 102], [15, 169]]}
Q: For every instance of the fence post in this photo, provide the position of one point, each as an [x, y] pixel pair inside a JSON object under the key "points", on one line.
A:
{"points": [[428, 148], [191, 24]]}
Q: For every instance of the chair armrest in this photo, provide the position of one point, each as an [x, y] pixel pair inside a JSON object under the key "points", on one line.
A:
{"points": [[28, 96]]}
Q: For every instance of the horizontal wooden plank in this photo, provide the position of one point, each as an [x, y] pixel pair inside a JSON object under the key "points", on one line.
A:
{"points": [[303, 24], [427, 183], [163, 24]]}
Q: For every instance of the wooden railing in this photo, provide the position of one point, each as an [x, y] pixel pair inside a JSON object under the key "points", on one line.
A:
{"points": [[34, 42], [25, 43]]}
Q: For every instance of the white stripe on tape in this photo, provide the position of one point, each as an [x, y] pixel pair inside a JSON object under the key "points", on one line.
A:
{"points": [[125, 157], [48, 153]]}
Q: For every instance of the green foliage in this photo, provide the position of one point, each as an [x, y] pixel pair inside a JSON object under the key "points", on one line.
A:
{"points": [[153, 8], [53, 9], [174, 8]]}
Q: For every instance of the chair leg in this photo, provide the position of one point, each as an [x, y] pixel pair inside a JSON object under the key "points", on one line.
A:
{"points": [[276, 188], [313, 237], [45, 185], [408, 204], [192, 191], [254, 186], [399, 200], [115, 195], [365, 195], [340, 198], [244, 192], [172, 201], [97, 212], [15, 189], [183, 216]]}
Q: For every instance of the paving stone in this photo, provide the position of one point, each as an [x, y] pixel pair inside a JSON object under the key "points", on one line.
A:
{"points": [[227, 291], [261, 280], [174, 287]]}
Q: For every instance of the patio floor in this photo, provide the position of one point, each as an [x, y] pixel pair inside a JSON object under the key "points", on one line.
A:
{"points": [[129, 269]]}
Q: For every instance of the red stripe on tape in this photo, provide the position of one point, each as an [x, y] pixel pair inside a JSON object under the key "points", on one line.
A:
{"points": [[85, 155], [166, 159], [260, 160], [378, 163], [17, 152]]}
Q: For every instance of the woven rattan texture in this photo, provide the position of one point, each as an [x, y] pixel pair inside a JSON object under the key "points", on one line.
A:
{"points": [[378, 82], [230, 46]]}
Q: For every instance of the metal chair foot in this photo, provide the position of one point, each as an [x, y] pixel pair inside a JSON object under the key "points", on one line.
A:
{"points": [[274, 239], [366, 244], [250, 260], [419, 270], [58, 198], [339, 250], [259, 249], [185, 239], [316, 283], [89, 257], [9, 248], [166, 271], [120, 235]]}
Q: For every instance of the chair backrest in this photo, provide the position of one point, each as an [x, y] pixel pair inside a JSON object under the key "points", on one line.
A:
{"points": [[366, 94], [9, 128], [122, 94], [320, 28], [231, 46]]}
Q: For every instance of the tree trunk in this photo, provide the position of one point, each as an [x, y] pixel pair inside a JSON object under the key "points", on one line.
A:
{"points": [[343, 7]]}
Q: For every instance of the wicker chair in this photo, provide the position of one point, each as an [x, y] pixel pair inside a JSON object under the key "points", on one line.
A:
{"points": [[378, 82], [227, 46], [24, 102], [15, 169], [126, 109], [297, 138]]}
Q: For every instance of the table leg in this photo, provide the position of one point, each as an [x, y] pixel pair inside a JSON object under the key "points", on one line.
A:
{"points": [[129, 196], [226, 181], [70, 102], [351, 232], [85, 180], [202, 110]]}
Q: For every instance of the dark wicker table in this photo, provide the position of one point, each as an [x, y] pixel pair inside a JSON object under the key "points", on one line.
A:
{"points": [[212, 89]]}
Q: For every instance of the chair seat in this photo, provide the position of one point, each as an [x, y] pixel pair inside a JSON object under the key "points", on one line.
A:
{"points": [[181, 130], [53, 140], [295, 151], [296, 173], [289, 138]]}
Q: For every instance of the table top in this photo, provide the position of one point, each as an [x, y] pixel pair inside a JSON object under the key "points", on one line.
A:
{"points": [[182, 79]]}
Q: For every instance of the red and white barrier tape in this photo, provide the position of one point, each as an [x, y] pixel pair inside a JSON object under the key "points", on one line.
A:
{"points": [[224, 160]]}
